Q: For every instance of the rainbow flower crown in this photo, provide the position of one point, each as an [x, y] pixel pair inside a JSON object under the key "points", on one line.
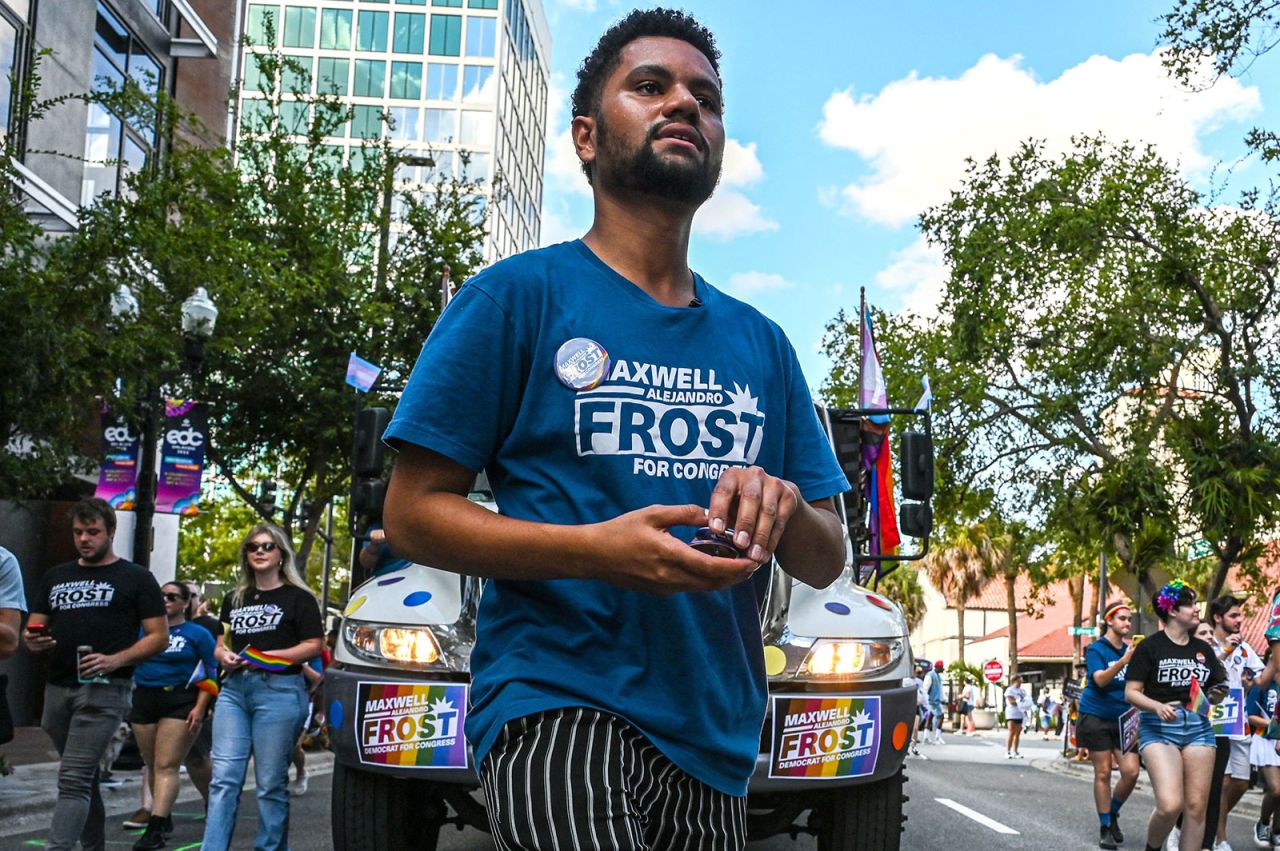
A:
{"points": [[1169, 594]]}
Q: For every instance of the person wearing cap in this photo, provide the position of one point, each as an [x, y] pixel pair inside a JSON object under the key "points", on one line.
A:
{"points": [[920, 680], [1098, 726], [1016, 700], [934, 690]]}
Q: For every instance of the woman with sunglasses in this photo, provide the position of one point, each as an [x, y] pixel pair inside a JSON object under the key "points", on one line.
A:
{"points": [[1174, 737], [169, 709], [272, 627]]}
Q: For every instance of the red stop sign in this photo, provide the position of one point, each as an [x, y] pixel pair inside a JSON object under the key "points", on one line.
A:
{"points": [[993, 671]]}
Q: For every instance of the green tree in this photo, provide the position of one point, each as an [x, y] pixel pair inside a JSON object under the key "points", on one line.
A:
{"points": [[902, 586], [958, 569]]}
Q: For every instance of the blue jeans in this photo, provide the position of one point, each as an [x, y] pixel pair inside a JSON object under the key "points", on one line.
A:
{"points": [[1187, 729], [260, 714]]}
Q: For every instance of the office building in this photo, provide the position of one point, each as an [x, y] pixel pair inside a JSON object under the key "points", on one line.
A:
{"points": [[453, 75], [79, 151]]}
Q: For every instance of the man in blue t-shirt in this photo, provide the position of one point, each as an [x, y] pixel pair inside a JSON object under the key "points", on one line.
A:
{"points": [[1098, 727], [618, 402]]}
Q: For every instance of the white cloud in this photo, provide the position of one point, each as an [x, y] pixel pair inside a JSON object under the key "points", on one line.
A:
{"points": [[916, 277], [741, 166], [730, 213], [558, 228], [916, 133], [744, 285]]}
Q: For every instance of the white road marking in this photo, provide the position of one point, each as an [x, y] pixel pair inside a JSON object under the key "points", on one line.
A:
{"points": [[977, 816]]}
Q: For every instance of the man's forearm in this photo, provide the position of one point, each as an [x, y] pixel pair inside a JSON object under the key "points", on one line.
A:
{"points": [[144, 648], [812, 547], [450, 532]]}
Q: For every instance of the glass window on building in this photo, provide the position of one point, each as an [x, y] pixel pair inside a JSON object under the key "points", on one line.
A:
{"points": [[481, 36], [9, 55], [455, 4], [482, 4], [254, 79], [295, 117], [117, 56], [371, 78], [439, 125], [299, 26], [410, 33], [372, 34], [445, 163], [335, 29], [366, 122], [331, 76], [477, 167], [405, 123], [442, 81], [260, 16], [478, 84], [255, 115], [412, 2], [446, 35], [295, 74], [477, 128], [406, 80], [101, 150]]}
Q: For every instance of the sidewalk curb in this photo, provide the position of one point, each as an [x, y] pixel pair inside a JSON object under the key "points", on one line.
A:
{"points": [[33, 811]]}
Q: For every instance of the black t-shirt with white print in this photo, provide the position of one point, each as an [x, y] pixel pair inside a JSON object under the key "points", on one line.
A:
{"points": [[101, 606], [1165, 669], [271, 620]]}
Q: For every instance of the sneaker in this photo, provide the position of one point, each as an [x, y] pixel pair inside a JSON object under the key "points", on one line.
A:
{"points": [[153, 837], [1105, 840], [1262, 835], [110, 781], [1175, 838], [1116, 833], [1008, 756], [915, 750], [166, 827], [137, 820], [298, 787], [1223, 846], [1017, 754]]}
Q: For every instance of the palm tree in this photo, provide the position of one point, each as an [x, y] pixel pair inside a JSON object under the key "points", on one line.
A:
{"points": [[959, 571], [902, 586]]}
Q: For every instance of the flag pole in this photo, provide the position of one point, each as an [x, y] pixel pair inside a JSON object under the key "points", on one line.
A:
{"points": [[862, 342]]}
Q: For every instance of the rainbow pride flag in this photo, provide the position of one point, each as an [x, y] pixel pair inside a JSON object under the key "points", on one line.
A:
{"points": [[265, 661], [201, 679], [1199, 702]]}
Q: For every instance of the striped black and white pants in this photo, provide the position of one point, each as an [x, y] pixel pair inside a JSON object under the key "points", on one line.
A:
{"points": [[581, 780]]}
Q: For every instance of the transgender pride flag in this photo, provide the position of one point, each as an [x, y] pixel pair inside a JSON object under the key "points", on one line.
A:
{"points": [[361, 374]]}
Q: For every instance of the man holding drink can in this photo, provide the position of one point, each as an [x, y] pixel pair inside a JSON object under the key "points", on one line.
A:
{"points": [[87, 614]]}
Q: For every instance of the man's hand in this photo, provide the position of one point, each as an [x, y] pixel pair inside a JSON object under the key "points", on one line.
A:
{"points": [[756, 506], [94, 665], [638, 552], [38, 641]]}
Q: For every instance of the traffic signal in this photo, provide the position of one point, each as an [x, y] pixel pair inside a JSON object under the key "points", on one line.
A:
{"points": [[915, 519], [368, 452], [917, 466], [267, 497], [367, 497]]}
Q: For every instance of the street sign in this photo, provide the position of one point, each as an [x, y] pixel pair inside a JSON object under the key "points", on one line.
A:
{"points": [[993, 671], [1083, 630]]}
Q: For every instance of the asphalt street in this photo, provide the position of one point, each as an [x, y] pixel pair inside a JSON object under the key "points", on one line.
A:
{"points": [[964, 794]]}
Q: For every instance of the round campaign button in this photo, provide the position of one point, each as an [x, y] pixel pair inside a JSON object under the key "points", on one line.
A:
{"points": [[581, 364]]}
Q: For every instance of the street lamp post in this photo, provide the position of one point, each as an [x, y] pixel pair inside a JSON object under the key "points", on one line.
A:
{"points": [[199, 315], [394, 161]]}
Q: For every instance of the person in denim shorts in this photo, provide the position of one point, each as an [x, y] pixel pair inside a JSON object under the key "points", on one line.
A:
{"points": [[1174, 737]]}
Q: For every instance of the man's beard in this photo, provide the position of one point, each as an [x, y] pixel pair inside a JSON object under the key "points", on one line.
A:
{"points": [[642, 170], [97, 555]]}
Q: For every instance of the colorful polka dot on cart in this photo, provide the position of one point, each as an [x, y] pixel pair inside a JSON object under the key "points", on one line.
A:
{"points": [[838, 608], [335, 713], [417, 598], [355, 605], [391, 580]]}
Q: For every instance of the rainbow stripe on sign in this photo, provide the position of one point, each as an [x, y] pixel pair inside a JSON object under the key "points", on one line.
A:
{"points": [[265, 661], [824, 737], [418, 725]]}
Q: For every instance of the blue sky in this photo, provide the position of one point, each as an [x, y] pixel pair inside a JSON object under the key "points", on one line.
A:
{"points": [[846, 120]]}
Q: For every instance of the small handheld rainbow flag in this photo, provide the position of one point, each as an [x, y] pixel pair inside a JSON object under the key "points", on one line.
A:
{"points": [[264, 661], [200, 679], [1199, 702]]}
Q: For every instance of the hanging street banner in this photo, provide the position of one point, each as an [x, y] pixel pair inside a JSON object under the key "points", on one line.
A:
{"points": [[118, 475], [186, 423]]}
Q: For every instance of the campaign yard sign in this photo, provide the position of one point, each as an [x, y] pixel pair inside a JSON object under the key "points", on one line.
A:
{"points": [[1228, 717], [825, 737], [414, 725]]}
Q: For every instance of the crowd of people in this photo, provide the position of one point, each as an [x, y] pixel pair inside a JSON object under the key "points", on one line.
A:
{"points": [[121, 646]]}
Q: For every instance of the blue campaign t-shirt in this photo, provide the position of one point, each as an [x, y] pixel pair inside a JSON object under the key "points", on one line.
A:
{"points": [[688, 391], [1262, 702], [1103, 702], [189, 643]]}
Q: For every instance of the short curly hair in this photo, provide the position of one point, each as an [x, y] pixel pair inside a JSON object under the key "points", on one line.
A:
{"points": [[599, 64]]}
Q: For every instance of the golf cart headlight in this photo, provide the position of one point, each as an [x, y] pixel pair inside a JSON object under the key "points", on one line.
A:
{"points": [[406, 645], [831, 657]]}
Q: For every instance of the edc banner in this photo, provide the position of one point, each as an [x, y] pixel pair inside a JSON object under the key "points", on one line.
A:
{"points": [[181, 457], [118, 475]]}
